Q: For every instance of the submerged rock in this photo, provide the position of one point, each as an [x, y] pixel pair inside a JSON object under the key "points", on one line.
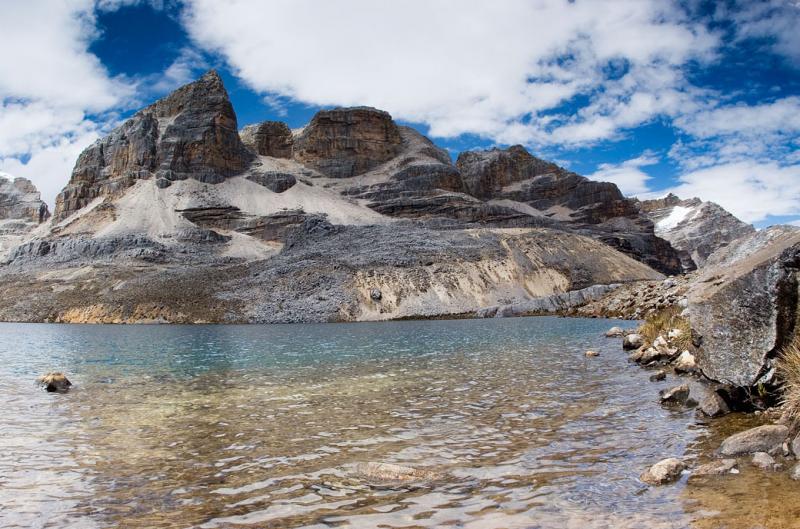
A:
{"points": [[663, 472], [658, 375], [591, 353], [767, 438], [717, 468], [764, 461], [391, 472], [54, 382]]}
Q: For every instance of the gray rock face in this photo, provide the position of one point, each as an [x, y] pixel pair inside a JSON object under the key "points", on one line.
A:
{"points": [[275, 181], [269, 138], [767, 438], [695, 227], [21, 201], [597, 209], [346, 142], [191, 133], [744, 308]]}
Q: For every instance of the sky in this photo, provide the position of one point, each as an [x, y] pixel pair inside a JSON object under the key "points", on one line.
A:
{"points": [[692, 97]]}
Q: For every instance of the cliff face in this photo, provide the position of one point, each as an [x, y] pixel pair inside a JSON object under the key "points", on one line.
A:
{"points": [[695, 227], [175, 215], [192, 133]]}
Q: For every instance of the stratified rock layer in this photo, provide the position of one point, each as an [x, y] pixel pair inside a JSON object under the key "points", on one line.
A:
{"points": [[346, 142], [269, 138], [191, 133], [21, 211]]}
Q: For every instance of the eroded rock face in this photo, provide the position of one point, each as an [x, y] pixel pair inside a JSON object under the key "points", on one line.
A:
{"points": [[693, 226], [744, 309], [270, 138], [597, 209], [346, 142], [191, 133], [21, 201]]}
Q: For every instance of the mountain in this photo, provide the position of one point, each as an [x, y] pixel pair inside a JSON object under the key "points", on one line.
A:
{"points": [[178, 216], [21, 211], [694, 227]]}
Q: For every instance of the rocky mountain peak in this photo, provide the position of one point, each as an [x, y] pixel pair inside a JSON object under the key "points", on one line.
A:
{"points": [[345, 142], [191, 133], [20, 200], [694, 227]]}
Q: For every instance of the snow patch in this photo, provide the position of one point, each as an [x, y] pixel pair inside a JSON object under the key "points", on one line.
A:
{"points": [[675, 217]]}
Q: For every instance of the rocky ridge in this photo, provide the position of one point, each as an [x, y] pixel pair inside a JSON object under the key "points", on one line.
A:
{"points": [[300, 224], [695, 228], [21, 211]]}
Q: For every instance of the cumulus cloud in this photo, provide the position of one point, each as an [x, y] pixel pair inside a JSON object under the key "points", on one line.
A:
{"points": [[489, 68], [50, 88], [751, 190], [628, 175], [778, 117], [776, 21]]}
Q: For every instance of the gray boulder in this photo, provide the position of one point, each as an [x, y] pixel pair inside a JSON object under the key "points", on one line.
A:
{"points": [[676, 395], [764, 461], [632, 341], [795, 472], [744, 307], [767, 438], [615, 332]]}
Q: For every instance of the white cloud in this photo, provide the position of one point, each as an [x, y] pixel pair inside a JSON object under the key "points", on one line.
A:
{"points": [[779, 117], [489, 68], [751, 190], [50, 86], [628, 175], [775, 20]]}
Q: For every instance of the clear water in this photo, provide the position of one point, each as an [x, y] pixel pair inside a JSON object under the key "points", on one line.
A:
{"points": [[263, 426]]}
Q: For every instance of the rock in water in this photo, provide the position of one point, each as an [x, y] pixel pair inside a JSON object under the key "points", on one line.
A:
{"points": [[54, 382], [663, 472], [767, 438], [658, 375], [591, 353], [191, 133], [632, 341], [685, 363], [391, 472], [615, 332], [676, 395], [764, 461], [716, 468], [346, 142]]}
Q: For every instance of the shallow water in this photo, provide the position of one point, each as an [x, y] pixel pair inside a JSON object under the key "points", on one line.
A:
{"points": [[262, 426]]}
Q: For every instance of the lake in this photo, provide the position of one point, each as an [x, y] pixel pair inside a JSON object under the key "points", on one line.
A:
{"points": [[225, 426]]}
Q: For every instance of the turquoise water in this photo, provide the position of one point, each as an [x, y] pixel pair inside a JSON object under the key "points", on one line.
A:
{"points": [[265, 426]]}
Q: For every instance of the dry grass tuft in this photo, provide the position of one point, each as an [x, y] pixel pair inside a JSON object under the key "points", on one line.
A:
{"points": [[789, 373], [662, 322]]}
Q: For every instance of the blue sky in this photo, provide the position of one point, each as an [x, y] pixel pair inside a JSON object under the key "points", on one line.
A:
{"points": [[698, 98]]}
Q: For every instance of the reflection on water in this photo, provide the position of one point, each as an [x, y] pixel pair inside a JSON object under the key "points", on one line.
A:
{"points": [[263, 426]]}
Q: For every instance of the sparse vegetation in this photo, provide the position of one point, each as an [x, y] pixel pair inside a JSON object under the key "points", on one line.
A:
{"points": [[789, 374], [660, 323]]}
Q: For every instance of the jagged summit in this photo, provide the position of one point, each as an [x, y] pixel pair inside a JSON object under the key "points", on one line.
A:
{"points": [[696, 228], [191, 133]]}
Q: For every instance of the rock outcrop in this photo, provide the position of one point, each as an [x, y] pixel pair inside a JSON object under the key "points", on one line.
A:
{"points": [[744, 306], [191, 133], [695, 227], [346, 142], [21, 211], [597, 209], [269, 138]]}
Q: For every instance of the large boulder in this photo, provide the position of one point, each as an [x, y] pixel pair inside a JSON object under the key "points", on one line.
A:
{"points": [[346, 142], [767, 438], [744, 307], [191, 133]]}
